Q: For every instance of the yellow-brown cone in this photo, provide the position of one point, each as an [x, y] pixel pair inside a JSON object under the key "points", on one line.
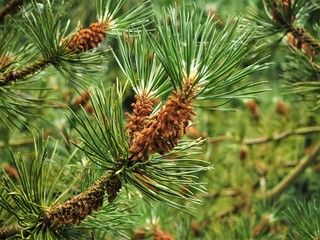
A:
{"points": [[142, 109], [304, 41], [88, 38], [162, 235], [277, 12], [74, 210], [162, 132]]}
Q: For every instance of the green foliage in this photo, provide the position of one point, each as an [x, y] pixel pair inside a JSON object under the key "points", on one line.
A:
{"points": [[285, 15], [144, 73], [302, 78], [192, 48], [16, 106], [134, 18], [304, 217], [103, 135]]}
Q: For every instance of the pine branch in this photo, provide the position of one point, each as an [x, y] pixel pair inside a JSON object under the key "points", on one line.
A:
{"points": [[277, 16], [294, 174], [275, 138], [235, 209], [17, 143], [158, 177], [15, 75], [8, 231], [12, 7], [283, 17], [223, 193], [74, 210], [282, 135]]}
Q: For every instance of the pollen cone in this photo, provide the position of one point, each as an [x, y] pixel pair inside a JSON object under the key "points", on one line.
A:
{"points": [[88, 38]]}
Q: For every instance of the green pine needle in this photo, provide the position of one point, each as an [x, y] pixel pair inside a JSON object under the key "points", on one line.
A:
{"points": [[170, 178], [305, 219], [136, 17], [140, 66], [282, 19], [192, 49], [103, 135]]}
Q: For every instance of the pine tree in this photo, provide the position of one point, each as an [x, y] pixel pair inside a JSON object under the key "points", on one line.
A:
{"points": [[175, 63], [112, 115]]}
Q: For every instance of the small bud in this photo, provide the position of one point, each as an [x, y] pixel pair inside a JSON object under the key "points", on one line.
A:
{"points": [[243, 154], [282, 109], [10, 170], [253, 108]]}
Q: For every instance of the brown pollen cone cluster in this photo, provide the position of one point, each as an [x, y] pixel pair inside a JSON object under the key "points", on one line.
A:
{"points": [[162, 132], [155, 232], [253, 108], [6, 232], [142, 109], [162, 235], [74, 210], [88, 38], [5, 60], [277, 12], [31, 69], [304, 41], [84, 101]]}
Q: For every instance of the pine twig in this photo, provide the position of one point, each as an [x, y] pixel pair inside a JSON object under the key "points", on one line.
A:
{"points": [[261, 226], [11, 7], [218, 139], [260, 140], [56, 104], [223, 193], [17, 143], [235, 209], [281, 135], [294, 174], [8, 231], [15, 75], [74, 210]]}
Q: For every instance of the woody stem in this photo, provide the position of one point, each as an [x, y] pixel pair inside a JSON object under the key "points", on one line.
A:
{"points": [[8, 231], [11, 7], [294, 174], [74, 210], [15, 75]]}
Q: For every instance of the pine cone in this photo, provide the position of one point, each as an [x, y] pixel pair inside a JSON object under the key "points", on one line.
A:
{"points": [[87, 38], [5, 60], [113, 187], [162, 235], [161, 133]]}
